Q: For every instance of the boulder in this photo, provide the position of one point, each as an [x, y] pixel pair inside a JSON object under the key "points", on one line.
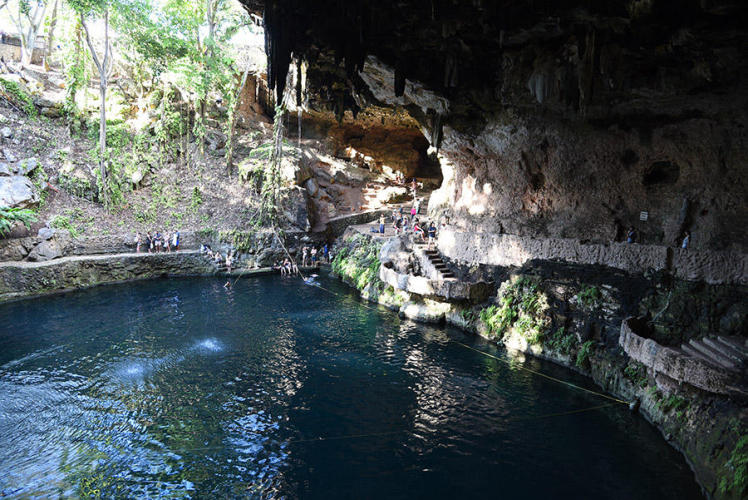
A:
{"points": [[215, 140], [17, 192], [396, 253], [427, 311], [312, 187], [9, 155], [46, 233], [6, 132], [46, 250], [27, 166], [4, 169], [77, 180], [295, 208]]}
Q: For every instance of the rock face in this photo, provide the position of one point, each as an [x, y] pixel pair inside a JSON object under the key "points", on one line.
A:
{"points": [[17, 192], [554, 119], [22, 279]]}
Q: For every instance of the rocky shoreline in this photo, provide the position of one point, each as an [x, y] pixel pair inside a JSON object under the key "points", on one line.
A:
{"points": [[572, 314]]}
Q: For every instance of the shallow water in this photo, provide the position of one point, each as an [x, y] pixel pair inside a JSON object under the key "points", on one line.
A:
{"points": [[179, 388]]}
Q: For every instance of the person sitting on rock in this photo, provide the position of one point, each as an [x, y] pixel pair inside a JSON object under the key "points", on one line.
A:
{"points": [[418, 230]]}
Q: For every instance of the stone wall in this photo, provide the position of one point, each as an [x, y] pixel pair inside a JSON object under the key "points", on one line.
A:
{"points": [[672, 363], [21, 279], [509, 250]]}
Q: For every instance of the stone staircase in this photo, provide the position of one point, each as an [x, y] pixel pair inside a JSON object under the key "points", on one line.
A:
{"points": [[729, 353], [436, 260]]}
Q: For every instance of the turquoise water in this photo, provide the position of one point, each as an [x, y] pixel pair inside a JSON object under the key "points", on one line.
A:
{"points": [[179, 388]]}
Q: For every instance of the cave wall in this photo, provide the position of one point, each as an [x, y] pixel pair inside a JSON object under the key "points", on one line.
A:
{"points": [[554, 118], [548, 177]]}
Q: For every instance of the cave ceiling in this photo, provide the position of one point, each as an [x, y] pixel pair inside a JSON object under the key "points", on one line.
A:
{"points": [[594, 59]]}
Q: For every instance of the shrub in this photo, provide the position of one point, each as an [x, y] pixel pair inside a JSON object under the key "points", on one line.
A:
{"points": [[589, 296], [583, 354], [9, 217], [637, 373], [735, 478], [15, 94], [562, 341]]}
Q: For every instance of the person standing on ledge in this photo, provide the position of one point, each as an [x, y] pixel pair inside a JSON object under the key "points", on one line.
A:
{"points": [[381, 224], [138, 241], [432, 233], [631, 235], [686, 240]]}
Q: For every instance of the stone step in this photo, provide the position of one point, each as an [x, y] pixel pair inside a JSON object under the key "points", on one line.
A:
{"points": [[737, 343], [724, 349], [696, 354], [715, 356]]}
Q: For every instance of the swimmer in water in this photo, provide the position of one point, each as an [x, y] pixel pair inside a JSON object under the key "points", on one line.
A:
{"points": [[227, 285]]}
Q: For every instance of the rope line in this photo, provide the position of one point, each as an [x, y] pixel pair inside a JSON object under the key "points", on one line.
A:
{"points": [[508, 362], [540, 374]]}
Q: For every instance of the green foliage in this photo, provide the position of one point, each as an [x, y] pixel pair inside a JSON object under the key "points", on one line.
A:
{"points": [[468, 315], [243, 241], [197, 199], [391, 297], [522, 305], [589, 296], [73, 220], [735, 477], [562, 341], [637, 373], [672, 402], [358, 264], [13, 92], [583, 354], [10, 216]]}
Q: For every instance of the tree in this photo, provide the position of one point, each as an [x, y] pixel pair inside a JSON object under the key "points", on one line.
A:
{"points": [[103, 65], [27, 20], [51, 34]]}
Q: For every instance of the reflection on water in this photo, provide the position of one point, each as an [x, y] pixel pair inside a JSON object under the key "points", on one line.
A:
{"points": [[275, 389]]}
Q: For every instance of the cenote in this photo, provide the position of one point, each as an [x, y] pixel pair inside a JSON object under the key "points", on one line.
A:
{"points": [[180, 388]]}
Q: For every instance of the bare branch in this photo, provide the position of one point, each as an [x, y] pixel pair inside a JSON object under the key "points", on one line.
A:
{"points": [[90, 45]]}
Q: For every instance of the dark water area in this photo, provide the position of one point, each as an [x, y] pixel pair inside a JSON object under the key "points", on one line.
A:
{"points": [[179, 388]]}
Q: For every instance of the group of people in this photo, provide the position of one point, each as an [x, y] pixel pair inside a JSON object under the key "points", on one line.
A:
{"points": [[403, 224], [157, 242], [311, 256], [286, 267], [218, 258], [632, 236]]}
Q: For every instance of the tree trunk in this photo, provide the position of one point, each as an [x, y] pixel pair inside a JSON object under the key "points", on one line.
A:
{"points": [[102, 138], [51, 35], [232, 125]]}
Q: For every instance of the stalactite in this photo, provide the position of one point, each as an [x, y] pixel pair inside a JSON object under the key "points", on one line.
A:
{"points": [[399, 79]]}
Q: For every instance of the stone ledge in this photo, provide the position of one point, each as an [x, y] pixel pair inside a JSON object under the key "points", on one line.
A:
{"points": [[671, 363], [450, 290], [509, 250], [22, 279]]}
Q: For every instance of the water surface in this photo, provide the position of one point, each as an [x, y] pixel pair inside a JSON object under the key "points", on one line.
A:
{"points": [[180, 388]]}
